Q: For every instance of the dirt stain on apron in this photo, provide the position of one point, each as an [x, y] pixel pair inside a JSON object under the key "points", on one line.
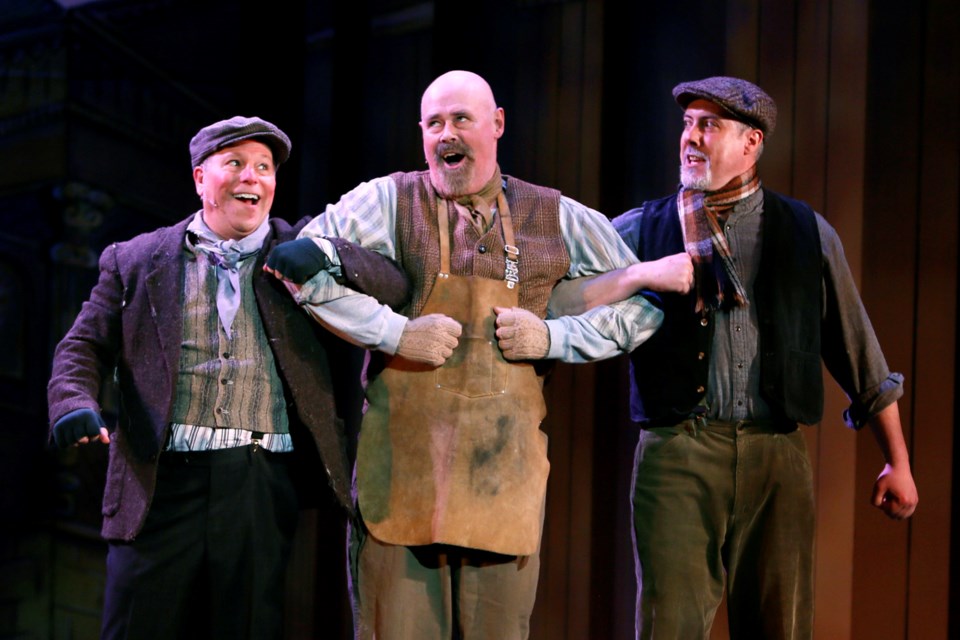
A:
{"points": [[455, 454]]}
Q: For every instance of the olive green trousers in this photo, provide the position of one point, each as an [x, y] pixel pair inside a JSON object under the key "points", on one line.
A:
{"points": [[723, 505]]}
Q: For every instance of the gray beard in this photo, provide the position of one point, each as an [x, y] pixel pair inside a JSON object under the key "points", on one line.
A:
{"points": [[452, 184], [698, 183]]}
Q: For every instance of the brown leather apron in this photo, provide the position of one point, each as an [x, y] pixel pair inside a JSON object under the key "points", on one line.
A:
{"points": [[455, 454]]}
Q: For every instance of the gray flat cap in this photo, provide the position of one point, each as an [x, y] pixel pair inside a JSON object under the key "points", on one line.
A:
{"points": [[238, 128], [744, 100]]}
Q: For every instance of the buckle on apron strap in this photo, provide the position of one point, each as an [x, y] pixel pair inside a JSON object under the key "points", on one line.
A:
{"points": [[511, 271]]}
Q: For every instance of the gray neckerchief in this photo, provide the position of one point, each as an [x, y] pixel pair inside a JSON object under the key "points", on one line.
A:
{"points": [[225, 256]]}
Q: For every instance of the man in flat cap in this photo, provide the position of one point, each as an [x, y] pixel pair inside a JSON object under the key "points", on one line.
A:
{"points": [[226, 394], [723, 491]]}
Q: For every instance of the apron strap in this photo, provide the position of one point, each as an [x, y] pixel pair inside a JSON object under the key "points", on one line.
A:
{"points": [[511, 251], [443, 223]]}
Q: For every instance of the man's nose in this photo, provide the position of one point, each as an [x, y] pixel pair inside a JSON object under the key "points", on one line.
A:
{"points": [[449, 132], [249, 174]]}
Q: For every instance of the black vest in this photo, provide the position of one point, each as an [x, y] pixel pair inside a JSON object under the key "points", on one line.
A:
{"points": [[669, 371]]}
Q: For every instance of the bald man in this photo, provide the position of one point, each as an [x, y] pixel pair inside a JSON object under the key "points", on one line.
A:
{"points": [[452, 466]]}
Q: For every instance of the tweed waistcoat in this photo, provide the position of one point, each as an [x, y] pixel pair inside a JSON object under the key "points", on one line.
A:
{"points": [[225, 383], [535, 212]]}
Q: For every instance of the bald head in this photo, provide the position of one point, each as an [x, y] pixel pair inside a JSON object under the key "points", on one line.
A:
{"points": [[459, 83], [461, 124]]}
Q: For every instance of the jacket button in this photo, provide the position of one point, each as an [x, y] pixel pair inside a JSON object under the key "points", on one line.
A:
{"points": [[700, 389], [701, 355], [482, 249], [703, 322]]}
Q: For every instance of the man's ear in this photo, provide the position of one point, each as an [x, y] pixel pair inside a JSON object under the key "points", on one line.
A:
{"points": [[498, 122], [754, 138], [198, 179]]}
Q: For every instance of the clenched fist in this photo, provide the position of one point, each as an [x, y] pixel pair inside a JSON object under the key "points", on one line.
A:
{"points": [[430, 339], [672, 273], [521, 334], [80, 426]]}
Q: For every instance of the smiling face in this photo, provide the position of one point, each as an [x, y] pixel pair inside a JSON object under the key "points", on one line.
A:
{"points": [[236, 185], [714, 148], [461, 125]]}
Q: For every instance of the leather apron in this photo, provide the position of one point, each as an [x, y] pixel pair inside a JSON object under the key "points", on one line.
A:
{"points": [[455, 454]]}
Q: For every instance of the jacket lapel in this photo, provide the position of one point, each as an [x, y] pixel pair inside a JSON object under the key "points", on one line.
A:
{"points": [[164, 284]]}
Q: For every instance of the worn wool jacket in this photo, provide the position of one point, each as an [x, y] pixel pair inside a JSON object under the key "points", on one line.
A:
{"points": [[132, 325]]}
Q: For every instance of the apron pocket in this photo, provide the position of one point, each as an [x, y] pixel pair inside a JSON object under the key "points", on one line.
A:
{"points": [[475, 370]]}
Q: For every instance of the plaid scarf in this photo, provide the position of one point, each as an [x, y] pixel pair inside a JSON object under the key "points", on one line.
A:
{"points": [[717, 286]]}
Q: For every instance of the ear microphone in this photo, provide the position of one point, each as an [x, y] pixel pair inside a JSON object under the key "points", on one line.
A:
{"points": [[213, 203]]}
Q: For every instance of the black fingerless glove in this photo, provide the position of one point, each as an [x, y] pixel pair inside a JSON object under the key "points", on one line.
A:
{"points": [[75, 425], [298, 260]]}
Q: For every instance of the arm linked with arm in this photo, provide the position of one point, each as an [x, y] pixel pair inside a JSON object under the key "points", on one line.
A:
{"points": [[369, 272], [672, 273], [365, 216], [605, 330]]}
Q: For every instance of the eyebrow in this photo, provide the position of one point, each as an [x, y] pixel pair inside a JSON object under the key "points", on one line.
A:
{"points": [[437, 115], [707, 116]]}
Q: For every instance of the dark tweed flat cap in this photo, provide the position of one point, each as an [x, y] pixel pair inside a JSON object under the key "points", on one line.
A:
{"points": [[744, 100], [238, 128]]}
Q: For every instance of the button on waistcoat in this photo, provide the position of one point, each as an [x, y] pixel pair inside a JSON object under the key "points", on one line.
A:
{"points": [[225, 383]]}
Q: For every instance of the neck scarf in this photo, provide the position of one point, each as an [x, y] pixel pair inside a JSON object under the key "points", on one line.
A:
{"points": [[225, 256], [477, 205], [717, 286]]}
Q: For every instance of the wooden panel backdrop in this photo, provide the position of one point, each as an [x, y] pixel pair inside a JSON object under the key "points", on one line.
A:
{"points": [[866, 135]]}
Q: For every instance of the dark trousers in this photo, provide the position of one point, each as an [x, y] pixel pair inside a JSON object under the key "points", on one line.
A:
{"points": [[211, 558]]}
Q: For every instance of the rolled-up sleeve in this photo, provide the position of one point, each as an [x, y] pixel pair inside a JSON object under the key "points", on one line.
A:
{"points": [[849, 345]]}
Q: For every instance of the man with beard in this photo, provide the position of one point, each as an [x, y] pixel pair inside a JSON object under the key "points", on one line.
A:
{"points": [[723, 490], [452, 467]]}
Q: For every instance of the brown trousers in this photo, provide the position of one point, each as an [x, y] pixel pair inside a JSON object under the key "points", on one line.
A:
{"points": [[439, 592]]}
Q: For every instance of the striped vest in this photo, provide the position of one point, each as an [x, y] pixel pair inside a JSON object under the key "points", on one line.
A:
{"points": [[225, 383]]}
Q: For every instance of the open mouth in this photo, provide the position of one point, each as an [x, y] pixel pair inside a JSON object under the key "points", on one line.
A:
{"points": [[452, 160], [250, 198], [694, 157], [452, 155]]}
